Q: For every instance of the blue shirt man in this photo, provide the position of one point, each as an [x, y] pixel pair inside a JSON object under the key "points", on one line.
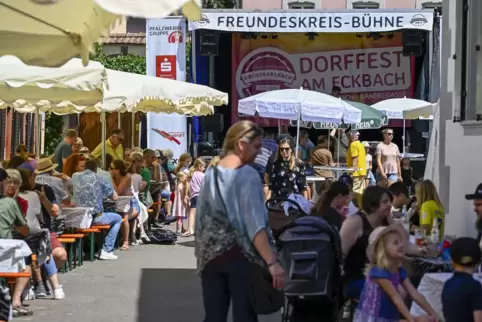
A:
{"points": [[265, 156], [89, 190]]}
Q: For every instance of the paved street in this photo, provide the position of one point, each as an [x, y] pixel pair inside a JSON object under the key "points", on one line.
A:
{"points": [[149, 283]]}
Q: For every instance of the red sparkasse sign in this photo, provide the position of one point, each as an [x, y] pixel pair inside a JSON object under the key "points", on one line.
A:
{"points": [[166, 66]]}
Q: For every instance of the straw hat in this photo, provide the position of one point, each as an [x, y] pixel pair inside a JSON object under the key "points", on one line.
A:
{"points": [[377, 234], [366, 144], [45, 165]]}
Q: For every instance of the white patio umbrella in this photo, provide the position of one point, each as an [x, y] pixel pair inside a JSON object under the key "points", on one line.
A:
{"points": [[31, 89], [51, 32], [153, 8], [300, 105], [405, 109]]}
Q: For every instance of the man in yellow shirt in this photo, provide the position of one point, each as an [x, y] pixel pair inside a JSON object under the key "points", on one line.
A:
{"points": [[356, 158], [113, 146]]}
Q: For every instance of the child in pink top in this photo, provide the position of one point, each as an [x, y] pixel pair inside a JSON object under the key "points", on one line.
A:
{"points": [[196, 181]]}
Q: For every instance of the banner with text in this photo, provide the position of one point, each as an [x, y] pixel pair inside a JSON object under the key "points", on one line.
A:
{"points": [[166, 57], [368, 68], [320, 21]]}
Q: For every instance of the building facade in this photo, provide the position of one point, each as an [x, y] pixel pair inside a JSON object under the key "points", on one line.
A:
{"points": [[460, 120]]}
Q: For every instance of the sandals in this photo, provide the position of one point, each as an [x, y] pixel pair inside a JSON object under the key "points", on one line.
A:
{"points": [[187, 233], [124, 247], [19, 310]]}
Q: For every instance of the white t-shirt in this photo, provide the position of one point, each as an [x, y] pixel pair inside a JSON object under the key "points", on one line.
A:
{"points": [[136, 180], [33, 210], [352, 209]]}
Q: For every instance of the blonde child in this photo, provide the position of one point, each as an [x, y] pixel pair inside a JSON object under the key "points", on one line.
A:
{"points": [[196, 181], [181, 200], [381, 298], [183, 164]]}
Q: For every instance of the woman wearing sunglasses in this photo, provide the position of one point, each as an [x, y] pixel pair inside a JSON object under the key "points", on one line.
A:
{"points": [[287, 173]]}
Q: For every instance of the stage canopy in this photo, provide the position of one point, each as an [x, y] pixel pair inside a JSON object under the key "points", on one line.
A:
{"points": [[314, 21]]}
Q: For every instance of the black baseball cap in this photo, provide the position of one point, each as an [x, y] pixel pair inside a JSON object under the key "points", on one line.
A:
{"points": [[476, 195], [466, 251], [346, 179], [3, 175]]}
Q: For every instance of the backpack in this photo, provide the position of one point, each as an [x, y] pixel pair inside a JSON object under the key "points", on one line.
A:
{"points": [[310, 250], [162, 237]]}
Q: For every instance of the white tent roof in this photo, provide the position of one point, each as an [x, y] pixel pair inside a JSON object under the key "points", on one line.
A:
{"points": [[27, 87]]}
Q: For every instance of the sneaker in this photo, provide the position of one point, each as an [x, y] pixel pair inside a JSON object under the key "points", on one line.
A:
{"points": [[30, 295], [107, 256], [145, 239], [135, 243], [59, 293], [40, 292], [158, 225]]}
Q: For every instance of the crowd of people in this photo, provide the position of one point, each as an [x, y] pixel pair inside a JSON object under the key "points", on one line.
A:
{"points": [[233, 231], [37, 192], [225, 208]]}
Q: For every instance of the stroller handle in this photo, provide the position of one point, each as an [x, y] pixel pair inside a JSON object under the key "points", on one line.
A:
{"points": [[277, 200]]}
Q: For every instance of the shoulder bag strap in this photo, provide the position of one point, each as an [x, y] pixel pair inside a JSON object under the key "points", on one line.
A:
{"points": [[218, 190]]}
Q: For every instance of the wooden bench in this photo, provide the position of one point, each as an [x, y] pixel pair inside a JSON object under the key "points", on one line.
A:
{"points": [[11, 278], [102, 229], [90, 232], [65, 242], [76, 258]]}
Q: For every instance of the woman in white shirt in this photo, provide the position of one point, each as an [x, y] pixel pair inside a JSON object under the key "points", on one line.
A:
{"points": [[34, 210]]}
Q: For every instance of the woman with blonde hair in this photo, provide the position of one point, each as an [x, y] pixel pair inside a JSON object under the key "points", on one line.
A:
{"points": [[168, 154], [214, 161], [287, 174], [431, 209], [232, 230], [196, 181]]}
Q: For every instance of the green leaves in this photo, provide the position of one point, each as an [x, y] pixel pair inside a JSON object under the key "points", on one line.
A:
{"points": [[125, 63], [53, 132], [218, 4]]}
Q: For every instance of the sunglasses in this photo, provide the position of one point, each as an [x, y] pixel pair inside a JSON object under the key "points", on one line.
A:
{"points": [[284, 149]]}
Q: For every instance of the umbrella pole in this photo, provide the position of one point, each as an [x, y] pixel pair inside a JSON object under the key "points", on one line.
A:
{"points": [[119, 122], [338, 149], [298, 134], [102, 120], [133, 135], [403, 137], [38, 141]]}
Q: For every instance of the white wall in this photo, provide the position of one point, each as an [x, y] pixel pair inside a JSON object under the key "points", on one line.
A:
{"points": [[463, 156], [460, 151]]}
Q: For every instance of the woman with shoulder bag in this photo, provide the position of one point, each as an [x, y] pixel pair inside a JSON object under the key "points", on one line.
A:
{"points": [[233, 239]]}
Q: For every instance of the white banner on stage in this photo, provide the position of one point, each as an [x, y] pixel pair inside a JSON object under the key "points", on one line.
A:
{"points": [[166, 57], [317, 21]]}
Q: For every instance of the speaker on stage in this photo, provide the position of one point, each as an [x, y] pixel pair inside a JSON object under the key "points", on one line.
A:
{"points": [[413, 42], [212, 123], [209, 43]]}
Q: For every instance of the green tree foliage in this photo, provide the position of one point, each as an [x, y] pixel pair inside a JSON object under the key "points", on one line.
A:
{"points": [[53, 132], [219, 4]]}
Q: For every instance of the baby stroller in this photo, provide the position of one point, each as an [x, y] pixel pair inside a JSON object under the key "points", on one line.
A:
{"points": [[310, 251], [277, 218]]}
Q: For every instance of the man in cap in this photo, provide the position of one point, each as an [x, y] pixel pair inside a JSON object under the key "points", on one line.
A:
{"points": [[356, 158], [477, 199], [462, 294]]}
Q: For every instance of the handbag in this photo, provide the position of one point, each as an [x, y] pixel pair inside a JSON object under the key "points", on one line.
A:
{"points": [[264, 298]]}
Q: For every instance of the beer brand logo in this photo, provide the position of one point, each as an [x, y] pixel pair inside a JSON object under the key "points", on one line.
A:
{"points": [[176, 37], [203, 22], [418, 20], [264, 69]]}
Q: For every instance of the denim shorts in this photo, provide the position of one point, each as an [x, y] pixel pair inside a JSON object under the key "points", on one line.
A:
{"points": [[390, 176], [50, 267], [166, 194], [194, 202]]}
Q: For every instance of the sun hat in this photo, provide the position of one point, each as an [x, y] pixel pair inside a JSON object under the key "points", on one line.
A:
{"points": [[377, 234], [79, 141], [45, 165], [476, 195], [84, 149], [465, 251], [366, 144]]}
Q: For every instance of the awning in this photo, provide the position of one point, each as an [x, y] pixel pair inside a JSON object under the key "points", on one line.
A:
{"points": [[355, 20]]}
